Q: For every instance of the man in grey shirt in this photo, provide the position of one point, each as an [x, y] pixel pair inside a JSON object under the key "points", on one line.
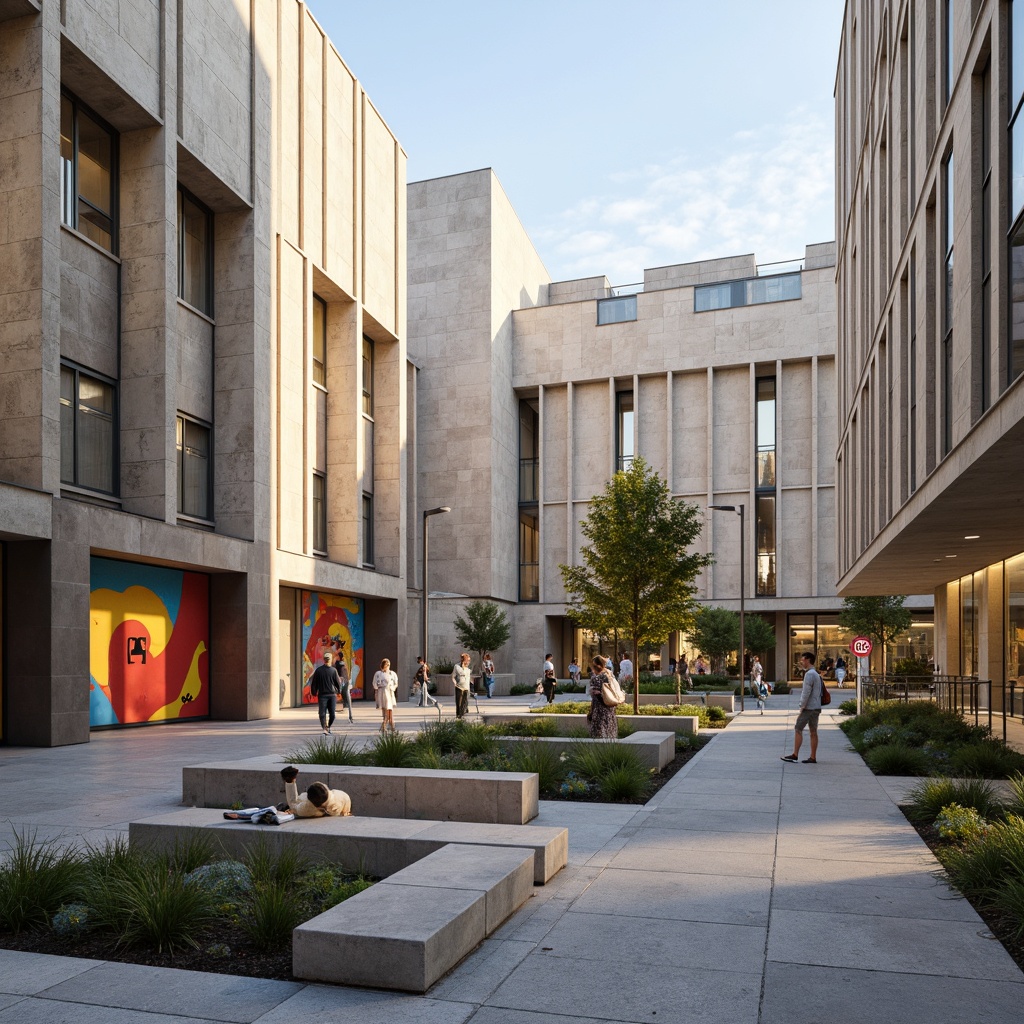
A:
{"points": [[810, 711]]}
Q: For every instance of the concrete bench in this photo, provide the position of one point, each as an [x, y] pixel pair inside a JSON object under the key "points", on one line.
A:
{"points": [[375, 846], [721, 699], [656, 749], [508, 798], [410, 929], [686, 724]]}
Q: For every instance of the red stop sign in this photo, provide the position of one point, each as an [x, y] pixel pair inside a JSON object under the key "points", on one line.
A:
{"points": [[861, 646]]}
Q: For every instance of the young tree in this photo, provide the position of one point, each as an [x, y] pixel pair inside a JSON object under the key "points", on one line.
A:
{"points": [[638, 575], [758, 635], [881, 619], [485, 628], [715, 632]]}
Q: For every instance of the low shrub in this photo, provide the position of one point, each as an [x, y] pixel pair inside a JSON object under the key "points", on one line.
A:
{"points": [[624, 783], [443, 667], [848, 707], [956, 824], [989, 759], [781, 688], [1009, 898], [1016, 802], [716, 716], [522, 689], [980, 869], [227, 880], [72, 920], [897, 759], [927, 799], [624, 729], [271, 916], [594, 760], [442, 734], [476, 741], [427, 757], [323, 887], [541, 759]]}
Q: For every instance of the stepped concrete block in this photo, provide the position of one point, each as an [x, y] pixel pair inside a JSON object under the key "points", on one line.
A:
{"points": [[686, 724], [656, 749], [550, 845]]}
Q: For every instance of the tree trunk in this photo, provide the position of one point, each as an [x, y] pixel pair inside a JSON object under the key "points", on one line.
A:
{"points": [[636, 676]]}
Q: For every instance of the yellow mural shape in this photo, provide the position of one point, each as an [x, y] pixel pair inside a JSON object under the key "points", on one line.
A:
{"points": [[193, 684], [109, 609]]}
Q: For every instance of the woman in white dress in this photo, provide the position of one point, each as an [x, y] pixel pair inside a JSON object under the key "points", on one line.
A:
{"points": [[385, 686]]}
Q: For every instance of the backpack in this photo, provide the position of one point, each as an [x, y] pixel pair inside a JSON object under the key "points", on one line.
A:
{"points": [[826, 697]]}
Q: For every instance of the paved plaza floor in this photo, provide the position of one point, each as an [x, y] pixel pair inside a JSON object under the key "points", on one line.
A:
{"points": [[747, 890]]}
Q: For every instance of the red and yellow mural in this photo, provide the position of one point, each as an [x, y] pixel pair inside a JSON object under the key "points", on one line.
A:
{"points": [[332, 622], [149, 632]]}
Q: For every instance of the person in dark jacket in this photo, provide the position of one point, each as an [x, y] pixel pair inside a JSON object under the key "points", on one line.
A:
{"points": [[325, 684]]}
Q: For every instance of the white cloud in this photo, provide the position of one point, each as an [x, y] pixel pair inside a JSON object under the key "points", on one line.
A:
{"points": [[767, 191]]}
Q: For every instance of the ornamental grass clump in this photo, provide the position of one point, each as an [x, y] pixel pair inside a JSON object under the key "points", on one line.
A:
{"points": [[981, 868], [541, 759], [987, 759], [36, 880], [616, 770], [897, 759], [327, 750], [392, 750], [476, 741], [928, 799]]}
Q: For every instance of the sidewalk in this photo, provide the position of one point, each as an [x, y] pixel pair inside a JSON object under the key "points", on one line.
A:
{"points": [[747, 890]]}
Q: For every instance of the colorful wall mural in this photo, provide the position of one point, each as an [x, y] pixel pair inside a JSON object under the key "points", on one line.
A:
{"points": [[332, 622], [149, 633]]}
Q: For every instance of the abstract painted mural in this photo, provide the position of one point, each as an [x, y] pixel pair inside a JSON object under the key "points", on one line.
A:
{"points": [[149, 633], [332, 622]]}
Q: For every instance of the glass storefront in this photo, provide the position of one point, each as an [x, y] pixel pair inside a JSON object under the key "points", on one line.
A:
{"points": [[823, 635]]}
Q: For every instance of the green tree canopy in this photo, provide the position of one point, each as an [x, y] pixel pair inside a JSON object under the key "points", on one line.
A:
{"points": [[881, 619], [638, 574], [485, 627], [715, 632], [758, 635]]}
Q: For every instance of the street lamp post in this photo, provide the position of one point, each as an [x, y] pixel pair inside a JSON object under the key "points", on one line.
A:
{"points": [[427, 513], [743, 589]]}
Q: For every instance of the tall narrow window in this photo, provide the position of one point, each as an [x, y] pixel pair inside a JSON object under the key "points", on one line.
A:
{"points": [[985, 341], [194, 465], [320, 341], [87, 417], [911, 106], [88, 156], [912, 382], [764, 510], [195, 253], [1015, 148], [529, 556], [366, 539], [367, 384], [624, 430], [947, 309], [528, 451], [319, 512]]}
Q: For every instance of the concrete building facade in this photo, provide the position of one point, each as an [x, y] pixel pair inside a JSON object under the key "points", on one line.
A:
{"points": [[531, 393], [202, 363], [930, 273]]}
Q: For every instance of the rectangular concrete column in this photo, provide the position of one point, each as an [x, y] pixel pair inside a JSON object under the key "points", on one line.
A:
{"points": [[344, 423], [30, 250]]}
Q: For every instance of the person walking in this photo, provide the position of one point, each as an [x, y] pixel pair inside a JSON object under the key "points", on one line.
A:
{"points": [[487, 671], [548, 682], [462, 678], [325, 685], [385, 686], [840, 670], [810, 711], [346, 685], [700, 668], [625, 670], [422, 681], [574, 672], [756, 674], [601, 717]]}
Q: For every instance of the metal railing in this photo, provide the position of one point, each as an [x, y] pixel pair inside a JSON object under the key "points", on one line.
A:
{"points": [[981, 700]]}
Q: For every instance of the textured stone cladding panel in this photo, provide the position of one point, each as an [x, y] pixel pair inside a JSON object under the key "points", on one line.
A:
{"points": [[216, 99], [379, 196], [794, 414], [652, 416], [340, 147], [732, 455], [793, 544], [291, 396], [690, 433], [592, 435]]}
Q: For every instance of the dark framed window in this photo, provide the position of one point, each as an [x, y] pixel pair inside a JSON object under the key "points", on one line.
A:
{"points": [[985, 341], [195, 253], [624, 446], [765, 484], [320, 341], [88, 417], [912, 381], [195, 469], [529, 459], [618, 310], [366, 533], [947, 308], [367, 375], [529, 556], [320, 513], [947, 51], [752, 291], [88, 173]]}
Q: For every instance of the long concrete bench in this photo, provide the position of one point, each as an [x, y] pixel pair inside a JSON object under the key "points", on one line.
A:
{"points": [[720, 699], [410, 929], [375, 846], [656, 749], [508, 798], [567, 724]]}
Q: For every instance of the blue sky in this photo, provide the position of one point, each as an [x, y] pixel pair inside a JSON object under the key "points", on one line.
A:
{"points": [[626, 136]]}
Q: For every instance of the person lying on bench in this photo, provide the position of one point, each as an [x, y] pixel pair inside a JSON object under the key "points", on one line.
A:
{"points": [[317, 802]]}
